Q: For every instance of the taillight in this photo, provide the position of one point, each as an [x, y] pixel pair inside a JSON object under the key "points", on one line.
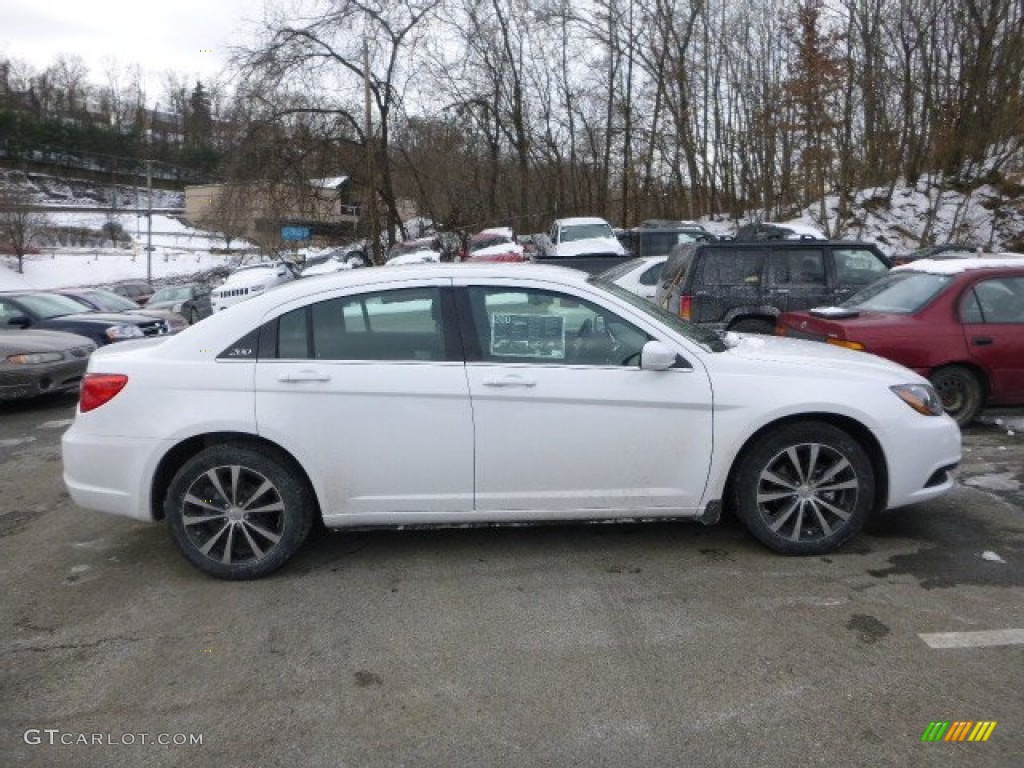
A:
{"points": [[685, 307], [98, 388]]}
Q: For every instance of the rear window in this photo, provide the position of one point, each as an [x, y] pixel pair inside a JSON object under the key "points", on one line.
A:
{"points": [[858, 266], [899, 292], [677, 263]]}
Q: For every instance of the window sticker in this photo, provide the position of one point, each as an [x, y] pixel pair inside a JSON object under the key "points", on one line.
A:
{"points": [[528, 336]]}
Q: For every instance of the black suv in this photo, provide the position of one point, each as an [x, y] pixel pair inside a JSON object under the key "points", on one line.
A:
{"points": [[744, 286], [659, 241]]}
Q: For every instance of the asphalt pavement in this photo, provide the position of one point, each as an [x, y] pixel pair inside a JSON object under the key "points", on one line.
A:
{"points": [[613, 645]]}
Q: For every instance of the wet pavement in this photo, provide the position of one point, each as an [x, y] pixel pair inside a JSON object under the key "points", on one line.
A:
{"points": [[619, 646]]}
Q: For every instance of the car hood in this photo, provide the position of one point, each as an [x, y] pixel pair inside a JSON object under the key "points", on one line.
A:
{"points": [[796, 354], [496, 250], [593, 245], [24, 342], [105, 318]]}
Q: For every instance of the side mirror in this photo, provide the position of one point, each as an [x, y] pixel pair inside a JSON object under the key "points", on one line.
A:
{"points": [[655, 356]]}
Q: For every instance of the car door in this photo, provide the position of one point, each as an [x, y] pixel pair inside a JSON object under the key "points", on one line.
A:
{"points": [[567, 424], [796, 278], [726, 279], [992, 313], [368, 390]]}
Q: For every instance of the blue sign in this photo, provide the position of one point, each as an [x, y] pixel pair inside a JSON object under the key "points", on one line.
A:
{"points": [[295, 233]]}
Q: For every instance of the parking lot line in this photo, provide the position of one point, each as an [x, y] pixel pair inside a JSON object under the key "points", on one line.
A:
{"points": [[974, 639]]}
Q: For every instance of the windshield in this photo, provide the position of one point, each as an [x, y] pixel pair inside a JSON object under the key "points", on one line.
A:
{"points": [[614, 273], [576, 232], [47, 305], [709, 340], [177, 293], [108, 301], [898, 293]]}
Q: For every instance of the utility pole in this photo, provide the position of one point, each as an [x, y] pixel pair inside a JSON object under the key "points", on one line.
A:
{"points": [[371, 181], [149, 221]]}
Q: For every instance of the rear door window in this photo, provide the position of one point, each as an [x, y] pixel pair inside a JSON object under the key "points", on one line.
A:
{"points": [[395, 325]]}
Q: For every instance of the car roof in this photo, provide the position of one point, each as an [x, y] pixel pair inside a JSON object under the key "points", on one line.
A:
{"points": [[582, 220]]}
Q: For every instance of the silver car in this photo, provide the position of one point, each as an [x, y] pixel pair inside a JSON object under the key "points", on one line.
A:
{"points": [[36, 363]]}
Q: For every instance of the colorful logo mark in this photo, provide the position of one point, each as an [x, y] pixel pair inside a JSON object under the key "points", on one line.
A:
{"points": [[958, 730]]}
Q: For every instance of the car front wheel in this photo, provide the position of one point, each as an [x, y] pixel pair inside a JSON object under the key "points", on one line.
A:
{"points": [[804, 489], [238, 513]]}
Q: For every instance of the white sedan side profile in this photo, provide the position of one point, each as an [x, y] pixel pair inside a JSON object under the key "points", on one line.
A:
{"points": [[454, 394]]}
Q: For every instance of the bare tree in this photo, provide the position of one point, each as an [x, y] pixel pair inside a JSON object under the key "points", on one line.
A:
{"points": [[20, 224]]}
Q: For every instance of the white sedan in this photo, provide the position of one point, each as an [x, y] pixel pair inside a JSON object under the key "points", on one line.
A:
{"points": [[453, 394]]}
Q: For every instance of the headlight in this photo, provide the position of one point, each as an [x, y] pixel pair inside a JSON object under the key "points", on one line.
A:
{"points": [[35, 358], [256, 289], [119, 332], [921, 397]]}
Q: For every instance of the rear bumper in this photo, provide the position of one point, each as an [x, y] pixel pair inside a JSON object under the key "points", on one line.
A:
{"points": [[110, 474]]}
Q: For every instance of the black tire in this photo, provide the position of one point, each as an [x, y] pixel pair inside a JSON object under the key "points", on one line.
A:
{"points": [[804, 488], [961, 392], [208, 507], [753, 325]]}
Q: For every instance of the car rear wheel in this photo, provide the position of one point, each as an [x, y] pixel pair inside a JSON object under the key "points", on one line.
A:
{"points": [[753, 325], [960, 391], [804, 489], [237, 513]]}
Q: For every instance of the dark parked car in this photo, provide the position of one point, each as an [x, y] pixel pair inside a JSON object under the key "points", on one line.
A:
{"points": [[659, 241], [51, 311], [960, 323], [138, 291], [767, 230], [744, 286], [34, 363], [192, 301], [103, 300]]}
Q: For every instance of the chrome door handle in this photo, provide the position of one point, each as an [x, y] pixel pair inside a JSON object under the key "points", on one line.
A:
{"points": [[304, 376], [510, 381]]}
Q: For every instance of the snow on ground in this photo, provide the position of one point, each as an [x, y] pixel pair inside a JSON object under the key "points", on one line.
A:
{"points": [[177, 250], [72, 267]]}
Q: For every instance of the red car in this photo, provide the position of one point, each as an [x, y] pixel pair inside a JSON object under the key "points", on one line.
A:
{"points": [[498, 244], [959, 322]]}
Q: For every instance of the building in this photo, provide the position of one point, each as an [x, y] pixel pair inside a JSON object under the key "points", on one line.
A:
{"points": [[261, 211]]}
